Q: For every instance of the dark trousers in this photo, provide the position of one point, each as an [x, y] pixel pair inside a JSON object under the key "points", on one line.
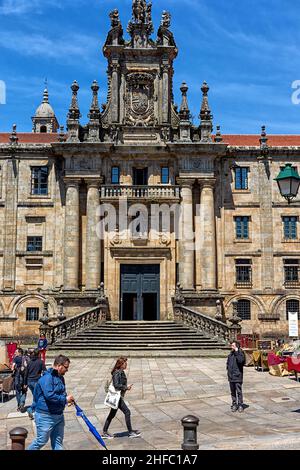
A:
{"points": [[112, 414], [236, 393]]}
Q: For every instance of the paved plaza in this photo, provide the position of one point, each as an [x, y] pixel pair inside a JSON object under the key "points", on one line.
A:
{"points": [[167, 389]]}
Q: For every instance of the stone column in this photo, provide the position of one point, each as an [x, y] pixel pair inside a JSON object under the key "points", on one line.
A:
{"points": [[93, 243], [207, 245], [186, 242], [72, 227]]}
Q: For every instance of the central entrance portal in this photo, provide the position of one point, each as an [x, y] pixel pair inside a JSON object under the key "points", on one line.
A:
{"points": [[140, 292]]}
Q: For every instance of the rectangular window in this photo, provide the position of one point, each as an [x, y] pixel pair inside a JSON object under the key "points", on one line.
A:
{"points": [[165, 175], [140, 176], [243, 273], [34, 243], [290, 228], [115, 175], [32, 314], [241, 178], [291, 272], [242, 227], [39, 181]]}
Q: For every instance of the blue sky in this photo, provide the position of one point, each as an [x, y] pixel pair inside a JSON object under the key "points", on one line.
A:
{"points": [[247, 50]]}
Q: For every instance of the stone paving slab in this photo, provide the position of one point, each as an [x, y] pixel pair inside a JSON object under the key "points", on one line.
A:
{"points": [[164, 391]]}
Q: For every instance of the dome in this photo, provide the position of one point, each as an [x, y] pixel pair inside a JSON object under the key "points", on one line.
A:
{"points": [[45, 110]]}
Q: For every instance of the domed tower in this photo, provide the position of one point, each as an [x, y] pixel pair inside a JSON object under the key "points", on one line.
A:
{"points": [[44, 120]]}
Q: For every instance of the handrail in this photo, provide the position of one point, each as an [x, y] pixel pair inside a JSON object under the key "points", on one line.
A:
{"points": [[205, 324], [73, 326]]}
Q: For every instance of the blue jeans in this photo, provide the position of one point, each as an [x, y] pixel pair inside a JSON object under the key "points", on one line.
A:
{"points": [[48, 426], [31, 386], [21, 397]]}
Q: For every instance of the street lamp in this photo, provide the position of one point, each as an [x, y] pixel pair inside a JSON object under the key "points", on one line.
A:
{"points": [[288, 182]]}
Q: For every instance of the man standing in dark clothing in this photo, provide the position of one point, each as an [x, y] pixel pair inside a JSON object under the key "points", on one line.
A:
{"points": [[33, 373], [19, 370], [42, 347], [235, 363]]}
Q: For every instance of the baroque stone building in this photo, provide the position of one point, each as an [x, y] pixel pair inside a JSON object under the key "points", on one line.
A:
{"points": [[201, 209]]}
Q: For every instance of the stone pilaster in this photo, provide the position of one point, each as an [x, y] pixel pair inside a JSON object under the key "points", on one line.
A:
{"points": [[72, 228], [115, 91], [186, 242], [93, 243], [266, 224], [10, 226], [207, 245], [165, 92]]}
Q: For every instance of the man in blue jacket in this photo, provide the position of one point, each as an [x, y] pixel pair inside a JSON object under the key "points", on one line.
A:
{"points": [[50, 399]]}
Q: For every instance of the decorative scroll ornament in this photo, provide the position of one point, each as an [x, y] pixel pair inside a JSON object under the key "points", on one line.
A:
{"points": [[139, 99]]}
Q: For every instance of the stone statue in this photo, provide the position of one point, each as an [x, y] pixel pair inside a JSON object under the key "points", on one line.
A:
{"points": [[165, 36], [149, 13], [115, 18], [166, 19], [139, 10]]}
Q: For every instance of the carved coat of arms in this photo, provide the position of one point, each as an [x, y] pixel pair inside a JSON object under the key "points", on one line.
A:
{"points": [[139, 99]]}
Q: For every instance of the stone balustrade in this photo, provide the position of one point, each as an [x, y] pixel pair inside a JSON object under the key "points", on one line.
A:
{"points": [[140, 192], [75, 325], [205, 324]]}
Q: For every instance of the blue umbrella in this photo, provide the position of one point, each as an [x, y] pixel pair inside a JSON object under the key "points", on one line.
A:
{"points": [[91, 427]]}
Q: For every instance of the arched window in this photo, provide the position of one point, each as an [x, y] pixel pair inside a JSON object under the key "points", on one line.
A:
{"points": [[43, 129], [244, 309], [292, 305]]}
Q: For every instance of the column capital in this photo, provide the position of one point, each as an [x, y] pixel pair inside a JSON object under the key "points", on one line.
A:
{"points": [[207, 183], [69, 182], [185, 182], [94, 182]]}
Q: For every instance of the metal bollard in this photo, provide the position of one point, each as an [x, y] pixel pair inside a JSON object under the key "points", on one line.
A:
{"points": [[190, 424], [18, 437]]}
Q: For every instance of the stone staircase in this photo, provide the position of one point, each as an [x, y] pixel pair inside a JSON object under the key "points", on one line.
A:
{"points": [[139, 337]]}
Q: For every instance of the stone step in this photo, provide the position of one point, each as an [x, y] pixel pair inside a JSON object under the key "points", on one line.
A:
{"points": [[156, 337]]}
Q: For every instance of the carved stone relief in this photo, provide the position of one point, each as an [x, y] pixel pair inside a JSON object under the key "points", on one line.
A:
{"points": [[139, 99]]}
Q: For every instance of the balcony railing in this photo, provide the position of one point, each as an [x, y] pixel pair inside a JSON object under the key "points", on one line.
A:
{"points": [[243, 284], [292, 284], [140, 192]]}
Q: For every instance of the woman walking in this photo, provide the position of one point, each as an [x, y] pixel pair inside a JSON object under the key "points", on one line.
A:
{"points": [[119, 381]]}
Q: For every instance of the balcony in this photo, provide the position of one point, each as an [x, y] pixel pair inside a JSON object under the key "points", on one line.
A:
{"points": [[243, 285], [152, 193]]}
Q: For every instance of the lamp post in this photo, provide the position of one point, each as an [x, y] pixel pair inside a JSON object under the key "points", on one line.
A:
{"points": [[288, 182]]}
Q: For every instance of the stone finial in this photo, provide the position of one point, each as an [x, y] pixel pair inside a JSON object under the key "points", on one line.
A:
{"points": [[179, 297], [184, 112], [264, 140], [61, 316], [94, 113], [62, 136], [13, 137], [218, 136], [46, 96], [101, 299], [205, 113], [235, 320], [205, 116], [74, 112], [219, 315]]}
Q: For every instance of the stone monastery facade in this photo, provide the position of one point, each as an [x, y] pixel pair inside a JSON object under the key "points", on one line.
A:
{"points": [[141, 199]]}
